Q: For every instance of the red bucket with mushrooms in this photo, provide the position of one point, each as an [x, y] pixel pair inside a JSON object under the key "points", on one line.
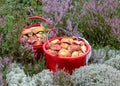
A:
{"points": [[35, 34], [66, 53]]}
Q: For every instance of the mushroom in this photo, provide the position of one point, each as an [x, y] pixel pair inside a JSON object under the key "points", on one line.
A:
{"points": [[64, 53], [67, 40], [38, 43], [64, 45], [38, 29], [54, 41], [74, 47], [52, 51], [80, 53], [75, 53], [26, 31], [83, 48], [55, 47]]}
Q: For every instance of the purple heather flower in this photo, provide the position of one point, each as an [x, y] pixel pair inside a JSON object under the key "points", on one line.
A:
{"points": [[115, 25], [6, 60], [104, 7], [4, 68], [69, 26], [1, 65], [101, 11], [56, 9], [75, 32], [59, 72], [27, 47]]}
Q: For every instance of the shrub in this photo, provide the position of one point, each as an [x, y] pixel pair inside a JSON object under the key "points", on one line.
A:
{"points": [[102, 54], [16, 76], [61, 13], [114, 62], [96, 75], [115, 27], [44, 78], [4, 69], [62, 78], [95, 24]]}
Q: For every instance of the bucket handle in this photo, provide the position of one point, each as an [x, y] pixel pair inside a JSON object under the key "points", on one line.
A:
{"points": [[40, 18]]}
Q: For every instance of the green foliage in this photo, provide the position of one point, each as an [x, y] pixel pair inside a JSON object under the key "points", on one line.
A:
{"points": [[35, 67], [118, 12], [94, 22], [8, 46]]}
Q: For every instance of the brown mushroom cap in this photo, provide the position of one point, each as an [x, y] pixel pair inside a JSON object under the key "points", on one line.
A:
{"points": [[37, 29], [52, 51], [26, 31], [75, 53], [64, 45], [55, 41], [67, 40], [64, 53]]}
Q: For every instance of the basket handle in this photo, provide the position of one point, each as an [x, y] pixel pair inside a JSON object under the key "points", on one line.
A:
{"points": [[38, 17]]}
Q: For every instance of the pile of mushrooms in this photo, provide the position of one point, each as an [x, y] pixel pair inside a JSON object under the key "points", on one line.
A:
{"points": [[34, 35], [66, 47]]}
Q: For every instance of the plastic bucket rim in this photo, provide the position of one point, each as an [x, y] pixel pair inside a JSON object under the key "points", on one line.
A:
{"points": [[46, 52]]}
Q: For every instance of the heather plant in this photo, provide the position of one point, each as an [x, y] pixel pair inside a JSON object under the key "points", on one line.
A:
{"points": [[114, 62], [10, 45], [4, 69], [56, 9], [115, 27], [96, 75], [103, 54], [44, 78], [94, 20], [62, 78], [61, 15], [34, 67], [9, 41], [27, 53], [16, 76]]}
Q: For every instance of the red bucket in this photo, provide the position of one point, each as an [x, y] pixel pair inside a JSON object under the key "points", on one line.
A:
{"points": [[38, 48], [66, 63]]}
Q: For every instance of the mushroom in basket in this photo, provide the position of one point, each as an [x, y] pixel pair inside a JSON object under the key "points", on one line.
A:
{"points": [[35, 35]]}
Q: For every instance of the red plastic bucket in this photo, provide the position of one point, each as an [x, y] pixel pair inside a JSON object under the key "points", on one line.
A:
{"points": [[38, 48], [66, 63]]}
